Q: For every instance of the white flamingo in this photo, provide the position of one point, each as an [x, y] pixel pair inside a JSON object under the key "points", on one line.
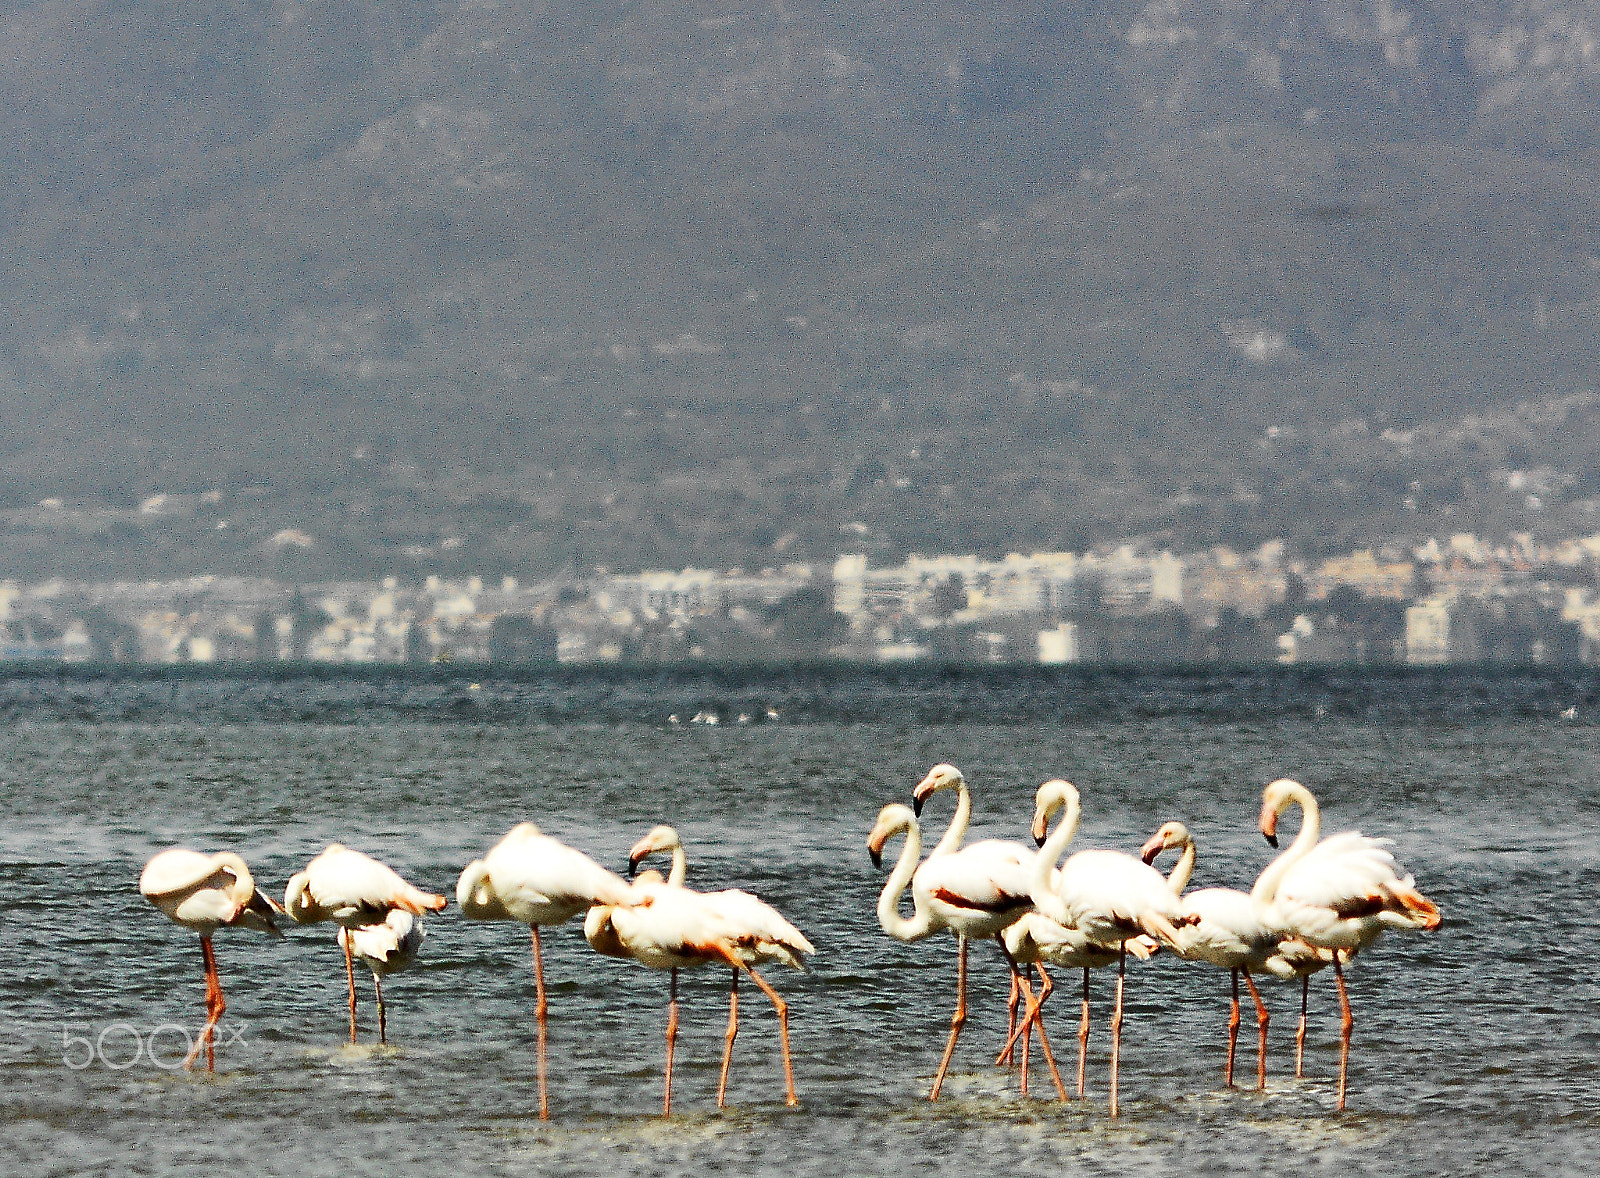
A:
{"points": [[975, 892], [760, 936], [1336, 894], [204, 893], [1110, 897], [352, 890], [1003, 853], [1228, 934], [385, 948], [532, 879]]}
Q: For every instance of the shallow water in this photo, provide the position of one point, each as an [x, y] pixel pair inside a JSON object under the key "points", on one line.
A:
{"points": [[1474, 1046]]}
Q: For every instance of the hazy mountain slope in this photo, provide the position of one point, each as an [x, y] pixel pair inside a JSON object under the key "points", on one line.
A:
{"points": [[664, 282]]}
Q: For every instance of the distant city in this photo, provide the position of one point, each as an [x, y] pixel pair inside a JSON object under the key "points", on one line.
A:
{"points": [[1458, 599]]}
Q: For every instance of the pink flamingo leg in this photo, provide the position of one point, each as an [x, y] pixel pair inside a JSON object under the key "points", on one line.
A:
{"points": [[350, 980], [1233, 1031], [541, 1010], [1083, 1032], [383, 1027], [782, 1009], [733, 1031], [672, 1038], [1262, 1019], [1116, 1023], [1007, 1054], [957, 1019], [214, 1008], [1300, 1031], [1034, 1017], [1347, 1023]]}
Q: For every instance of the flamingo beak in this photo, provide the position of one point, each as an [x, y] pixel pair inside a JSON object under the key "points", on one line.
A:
{"points": [[633, 867], [916, 803], [1269, 826], [1041, 830], [1152, 849], [877, 857]]}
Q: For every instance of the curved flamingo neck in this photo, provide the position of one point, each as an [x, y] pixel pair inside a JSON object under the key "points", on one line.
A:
{"points": [[1266, 889], [956, 832], [680, 867], [1183, 869], [921, 923], [1044, 895]]}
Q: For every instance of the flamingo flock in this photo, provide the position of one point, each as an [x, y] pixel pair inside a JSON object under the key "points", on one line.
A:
{"points": [[1317, 905]]}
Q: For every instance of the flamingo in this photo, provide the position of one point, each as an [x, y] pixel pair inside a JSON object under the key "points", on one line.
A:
{"points": [[1337, 894], [204, 893], [1228, 934], [533, 879], [976, 892], [386, 948], [1110, 897], [946, 776], [353, 890], [760, 936]]}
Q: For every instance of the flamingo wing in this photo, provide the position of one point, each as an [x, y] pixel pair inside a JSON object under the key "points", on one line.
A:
{"points": [[1353, 877], [759, 930], [989, 876], [541, 877]]}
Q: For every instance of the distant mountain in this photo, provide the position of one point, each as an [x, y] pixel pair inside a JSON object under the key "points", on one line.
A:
{"points": [[511, 287]]}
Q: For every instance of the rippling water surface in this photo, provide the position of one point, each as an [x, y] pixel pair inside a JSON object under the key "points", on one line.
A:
{"points": [[1475, 1047]]}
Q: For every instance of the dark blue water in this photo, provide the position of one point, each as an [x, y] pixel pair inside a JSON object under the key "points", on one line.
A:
{"points": [[1474, 1047]]}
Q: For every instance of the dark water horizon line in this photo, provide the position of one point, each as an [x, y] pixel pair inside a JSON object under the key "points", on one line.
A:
{"points": [[831, 692]]}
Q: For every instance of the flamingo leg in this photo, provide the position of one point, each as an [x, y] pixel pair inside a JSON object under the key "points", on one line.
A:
{"points": [[1116, 1023], [1083, 1032], [214, 1008], [383, 1024], [733, 1031], [1045, 988], [672, 1038], [1347, 1023], [1262, 1019], [1233, 1030], [1007, 1054], [1027, 985], [1034, 1018], [350, 980], [782, 1009], [1300, 1031], [541, 1010], [957, 1019]]}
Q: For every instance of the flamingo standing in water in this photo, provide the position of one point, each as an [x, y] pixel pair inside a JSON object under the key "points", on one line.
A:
{"points": [[204, 893], [1337, 894], [385, 948], [1110, 897], [944, 777], [1228, 933], [533, 879], [760, 936], [353, 890], [976, 892]]}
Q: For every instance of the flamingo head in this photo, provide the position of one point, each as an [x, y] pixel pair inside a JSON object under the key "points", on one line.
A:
{"points": [[941, 776], [1047, 803], [1169, 838], [893, 819], [1275, 799], [662, 838]]}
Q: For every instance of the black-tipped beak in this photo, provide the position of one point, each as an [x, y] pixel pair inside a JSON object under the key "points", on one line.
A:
{"points": [[916, 805], [877, 857], [1272, 840], [1039, 840], [633, 866]]}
